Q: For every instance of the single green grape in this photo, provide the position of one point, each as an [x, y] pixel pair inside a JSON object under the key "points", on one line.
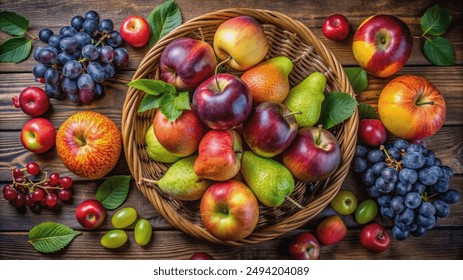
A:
{"points": [[114, 239], [124, 217], [143, 232], [366, 211]]}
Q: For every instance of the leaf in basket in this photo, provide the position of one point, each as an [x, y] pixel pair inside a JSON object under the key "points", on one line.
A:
{"points": [[357, 78], [49, 237], [336, 108], [163, 19], [113, 191], [153, 87], [172, 106], [367, 112]]}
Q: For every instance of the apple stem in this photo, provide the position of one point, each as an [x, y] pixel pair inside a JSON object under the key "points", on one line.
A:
{"points": [[294, 202], [144, 180], [217, 70], [419, 103], [292, 113], [319, 136]]}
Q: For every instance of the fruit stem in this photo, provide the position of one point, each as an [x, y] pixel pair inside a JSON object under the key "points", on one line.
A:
{"points": [[105, 36], [419, 103], [397, 165], [144, 180], [217, 70], [294, 202], [292, 113], [319, 136], [30, 35]]}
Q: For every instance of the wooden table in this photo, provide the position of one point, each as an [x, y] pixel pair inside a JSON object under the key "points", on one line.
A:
{"points": [[443, 242]]}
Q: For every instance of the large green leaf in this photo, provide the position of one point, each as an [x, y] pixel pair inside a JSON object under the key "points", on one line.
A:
{"points": [[435, 20], [163, 19], [15, 49], [113, 191], [439, 51], [357, 78], [13, 23], [49, 237], [336, 108], [366, 111], [153, 87]]}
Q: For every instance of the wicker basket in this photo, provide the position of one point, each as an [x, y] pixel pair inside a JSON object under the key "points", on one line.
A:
{"points": [[286, 37]]}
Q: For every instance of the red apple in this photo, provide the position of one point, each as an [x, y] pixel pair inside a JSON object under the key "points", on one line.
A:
{"points": [[33, 101], [313, 156], [382, 45], [201, 256], [219, 155], [375, 238], [180, 137], [38, 135], [270, 129], [186, 62], [229, 210], [331, 230], [304, 246], [223, 101], [89, 144], [135, 30], [336, 27], [410, 107], [90, 213], [371, 132], [241, 39]]}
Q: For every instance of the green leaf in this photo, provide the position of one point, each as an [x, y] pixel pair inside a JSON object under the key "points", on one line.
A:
{"points": [[435, 20], [49, 237], [163, 19], [113, 191], [182, 101], [439, 51], [13, 23], [168, 108], [149, 102], [153, 87], [366, 112], [15, 49], [357, 78], [336, 108]]}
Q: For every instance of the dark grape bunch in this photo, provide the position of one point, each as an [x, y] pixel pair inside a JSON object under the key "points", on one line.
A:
{"points": [[409, 183], [44, 193], [79, 58]]}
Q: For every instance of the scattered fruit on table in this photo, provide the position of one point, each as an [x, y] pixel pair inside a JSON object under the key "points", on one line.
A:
{"points": [[155, 150], [410, 107], [371, 132], [366, 211], [240, 40], [304, 246], [268, 80], [382, 45], [124, 217], [331, 230], [268, 179], [80, 58], [219, 155], [345, 202], [33, 101], [409, 183], [307, 98], [270, 129], [38, 135], [336, 27], [90, 214], [375, 238], [114, 239], [229, 210], [223, 101], [186, 63], [89, 144], [143, 232], [201, 256], [135, 30], [313, 156], [180, 137], [30, 190]]}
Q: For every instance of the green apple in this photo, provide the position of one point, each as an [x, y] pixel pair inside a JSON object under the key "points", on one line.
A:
{"points": [[155, 150], [344, 202]]}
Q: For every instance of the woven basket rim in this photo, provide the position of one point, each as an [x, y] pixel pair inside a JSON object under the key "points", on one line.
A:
{"points": [[129, 115]]}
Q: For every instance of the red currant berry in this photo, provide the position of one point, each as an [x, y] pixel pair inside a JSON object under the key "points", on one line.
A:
{"points": [[43, 202], [54, 179], [66, 182], [37, 195], [33, 168], [19, 201], [10, 195], [29, 201], [51, 200], [65, 194], [17, 173], [5, 188]]}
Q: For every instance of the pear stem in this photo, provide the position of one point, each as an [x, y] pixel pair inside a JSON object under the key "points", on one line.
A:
{"points": [[292, 113], [144, 180], [294, 202], [319, 135], [217, 70]]}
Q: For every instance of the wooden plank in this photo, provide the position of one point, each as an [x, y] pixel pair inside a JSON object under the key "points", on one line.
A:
{"points": [[309, 14], [176, 245]]}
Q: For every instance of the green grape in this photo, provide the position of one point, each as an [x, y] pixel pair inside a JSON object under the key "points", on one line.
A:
{"points": [[366, 211], [124, 217], [114, 239], [142, 232]]}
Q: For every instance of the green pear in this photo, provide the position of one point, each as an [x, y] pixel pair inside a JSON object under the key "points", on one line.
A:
{"points": [[181, 182], [307, 98], [268, 179], [155, 150]]}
